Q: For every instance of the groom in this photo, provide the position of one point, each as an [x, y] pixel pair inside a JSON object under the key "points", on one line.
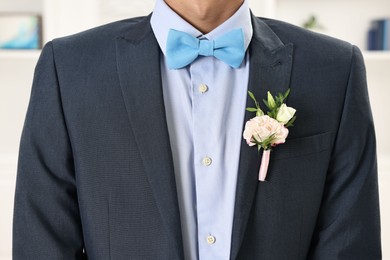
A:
{"points": [[132, 146]]}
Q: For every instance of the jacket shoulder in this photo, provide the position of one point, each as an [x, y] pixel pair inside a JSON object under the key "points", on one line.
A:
{"points": [[290, 32], [100, 36], [312, 43]]}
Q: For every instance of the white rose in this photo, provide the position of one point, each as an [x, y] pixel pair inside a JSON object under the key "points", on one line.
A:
{"points": [[285, 114]]}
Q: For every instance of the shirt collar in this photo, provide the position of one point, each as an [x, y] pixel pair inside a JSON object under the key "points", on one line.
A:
{"points": [[164, 18]]}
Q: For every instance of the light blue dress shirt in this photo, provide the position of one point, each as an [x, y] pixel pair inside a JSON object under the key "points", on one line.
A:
{"points": [[205, 106]]}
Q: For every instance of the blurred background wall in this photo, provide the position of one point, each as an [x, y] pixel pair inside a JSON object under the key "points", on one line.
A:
{"points": [[345, 19]]}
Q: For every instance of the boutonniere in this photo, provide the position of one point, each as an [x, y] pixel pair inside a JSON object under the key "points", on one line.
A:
{"points": [[270, 129]]}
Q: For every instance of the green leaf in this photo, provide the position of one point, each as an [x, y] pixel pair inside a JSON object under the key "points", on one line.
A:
{"points": [[281, 98], [291, 122], [287, 93], [251, 109], [266, 103]]}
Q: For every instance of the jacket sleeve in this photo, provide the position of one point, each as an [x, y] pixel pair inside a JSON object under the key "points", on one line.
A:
{"points": [[348, 225], [46, 216]]}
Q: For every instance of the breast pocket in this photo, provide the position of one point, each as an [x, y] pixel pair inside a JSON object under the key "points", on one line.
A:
{"points": [[301, 160], [302, 146]]}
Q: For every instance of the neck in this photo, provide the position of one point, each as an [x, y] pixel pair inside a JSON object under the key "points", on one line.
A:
{"points": [[205, 15]]}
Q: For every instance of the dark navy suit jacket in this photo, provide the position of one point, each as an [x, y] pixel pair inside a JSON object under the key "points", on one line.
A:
{"points": [[95, 175]]}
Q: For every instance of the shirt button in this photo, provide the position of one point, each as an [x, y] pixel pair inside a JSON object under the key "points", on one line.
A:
{"points": [[203, 88], [210, 239], [206, 161]]}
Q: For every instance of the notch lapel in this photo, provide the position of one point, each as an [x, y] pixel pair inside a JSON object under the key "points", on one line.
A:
{"points": [[138, 61], [270, 70]]}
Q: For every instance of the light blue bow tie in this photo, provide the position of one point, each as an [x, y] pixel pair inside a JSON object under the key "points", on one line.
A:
{"points": [[183, 49]]}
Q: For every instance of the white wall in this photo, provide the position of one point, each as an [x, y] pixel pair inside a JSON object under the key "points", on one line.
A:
{"points": [[378, 71], [62, 18], [344, 19], [121, 9], [15, 83], [21, 6]]}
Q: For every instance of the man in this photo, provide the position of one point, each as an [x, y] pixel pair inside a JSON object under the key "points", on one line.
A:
{"points": [[132, 151]]}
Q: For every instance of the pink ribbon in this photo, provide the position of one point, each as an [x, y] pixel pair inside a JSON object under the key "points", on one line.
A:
{"points": [[264, 165]]}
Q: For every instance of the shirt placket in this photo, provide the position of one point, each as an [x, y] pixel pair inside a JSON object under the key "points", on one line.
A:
{"points": [[206, 161]]}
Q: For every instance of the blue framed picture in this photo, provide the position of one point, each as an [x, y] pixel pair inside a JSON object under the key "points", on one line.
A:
{"points": [[20, 31]]}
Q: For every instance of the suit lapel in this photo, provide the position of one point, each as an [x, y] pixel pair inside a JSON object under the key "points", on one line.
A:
{"points": [[270, 70], [138, 61]]}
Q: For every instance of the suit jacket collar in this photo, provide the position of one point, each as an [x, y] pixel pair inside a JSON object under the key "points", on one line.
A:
{"points": [[138, 60]]}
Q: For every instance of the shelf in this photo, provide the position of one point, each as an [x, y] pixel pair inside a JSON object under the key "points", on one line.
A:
{"points": [[19, 54]]}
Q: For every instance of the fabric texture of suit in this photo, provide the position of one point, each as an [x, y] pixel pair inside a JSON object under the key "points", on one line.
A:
{"points": [[95, 168]]}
